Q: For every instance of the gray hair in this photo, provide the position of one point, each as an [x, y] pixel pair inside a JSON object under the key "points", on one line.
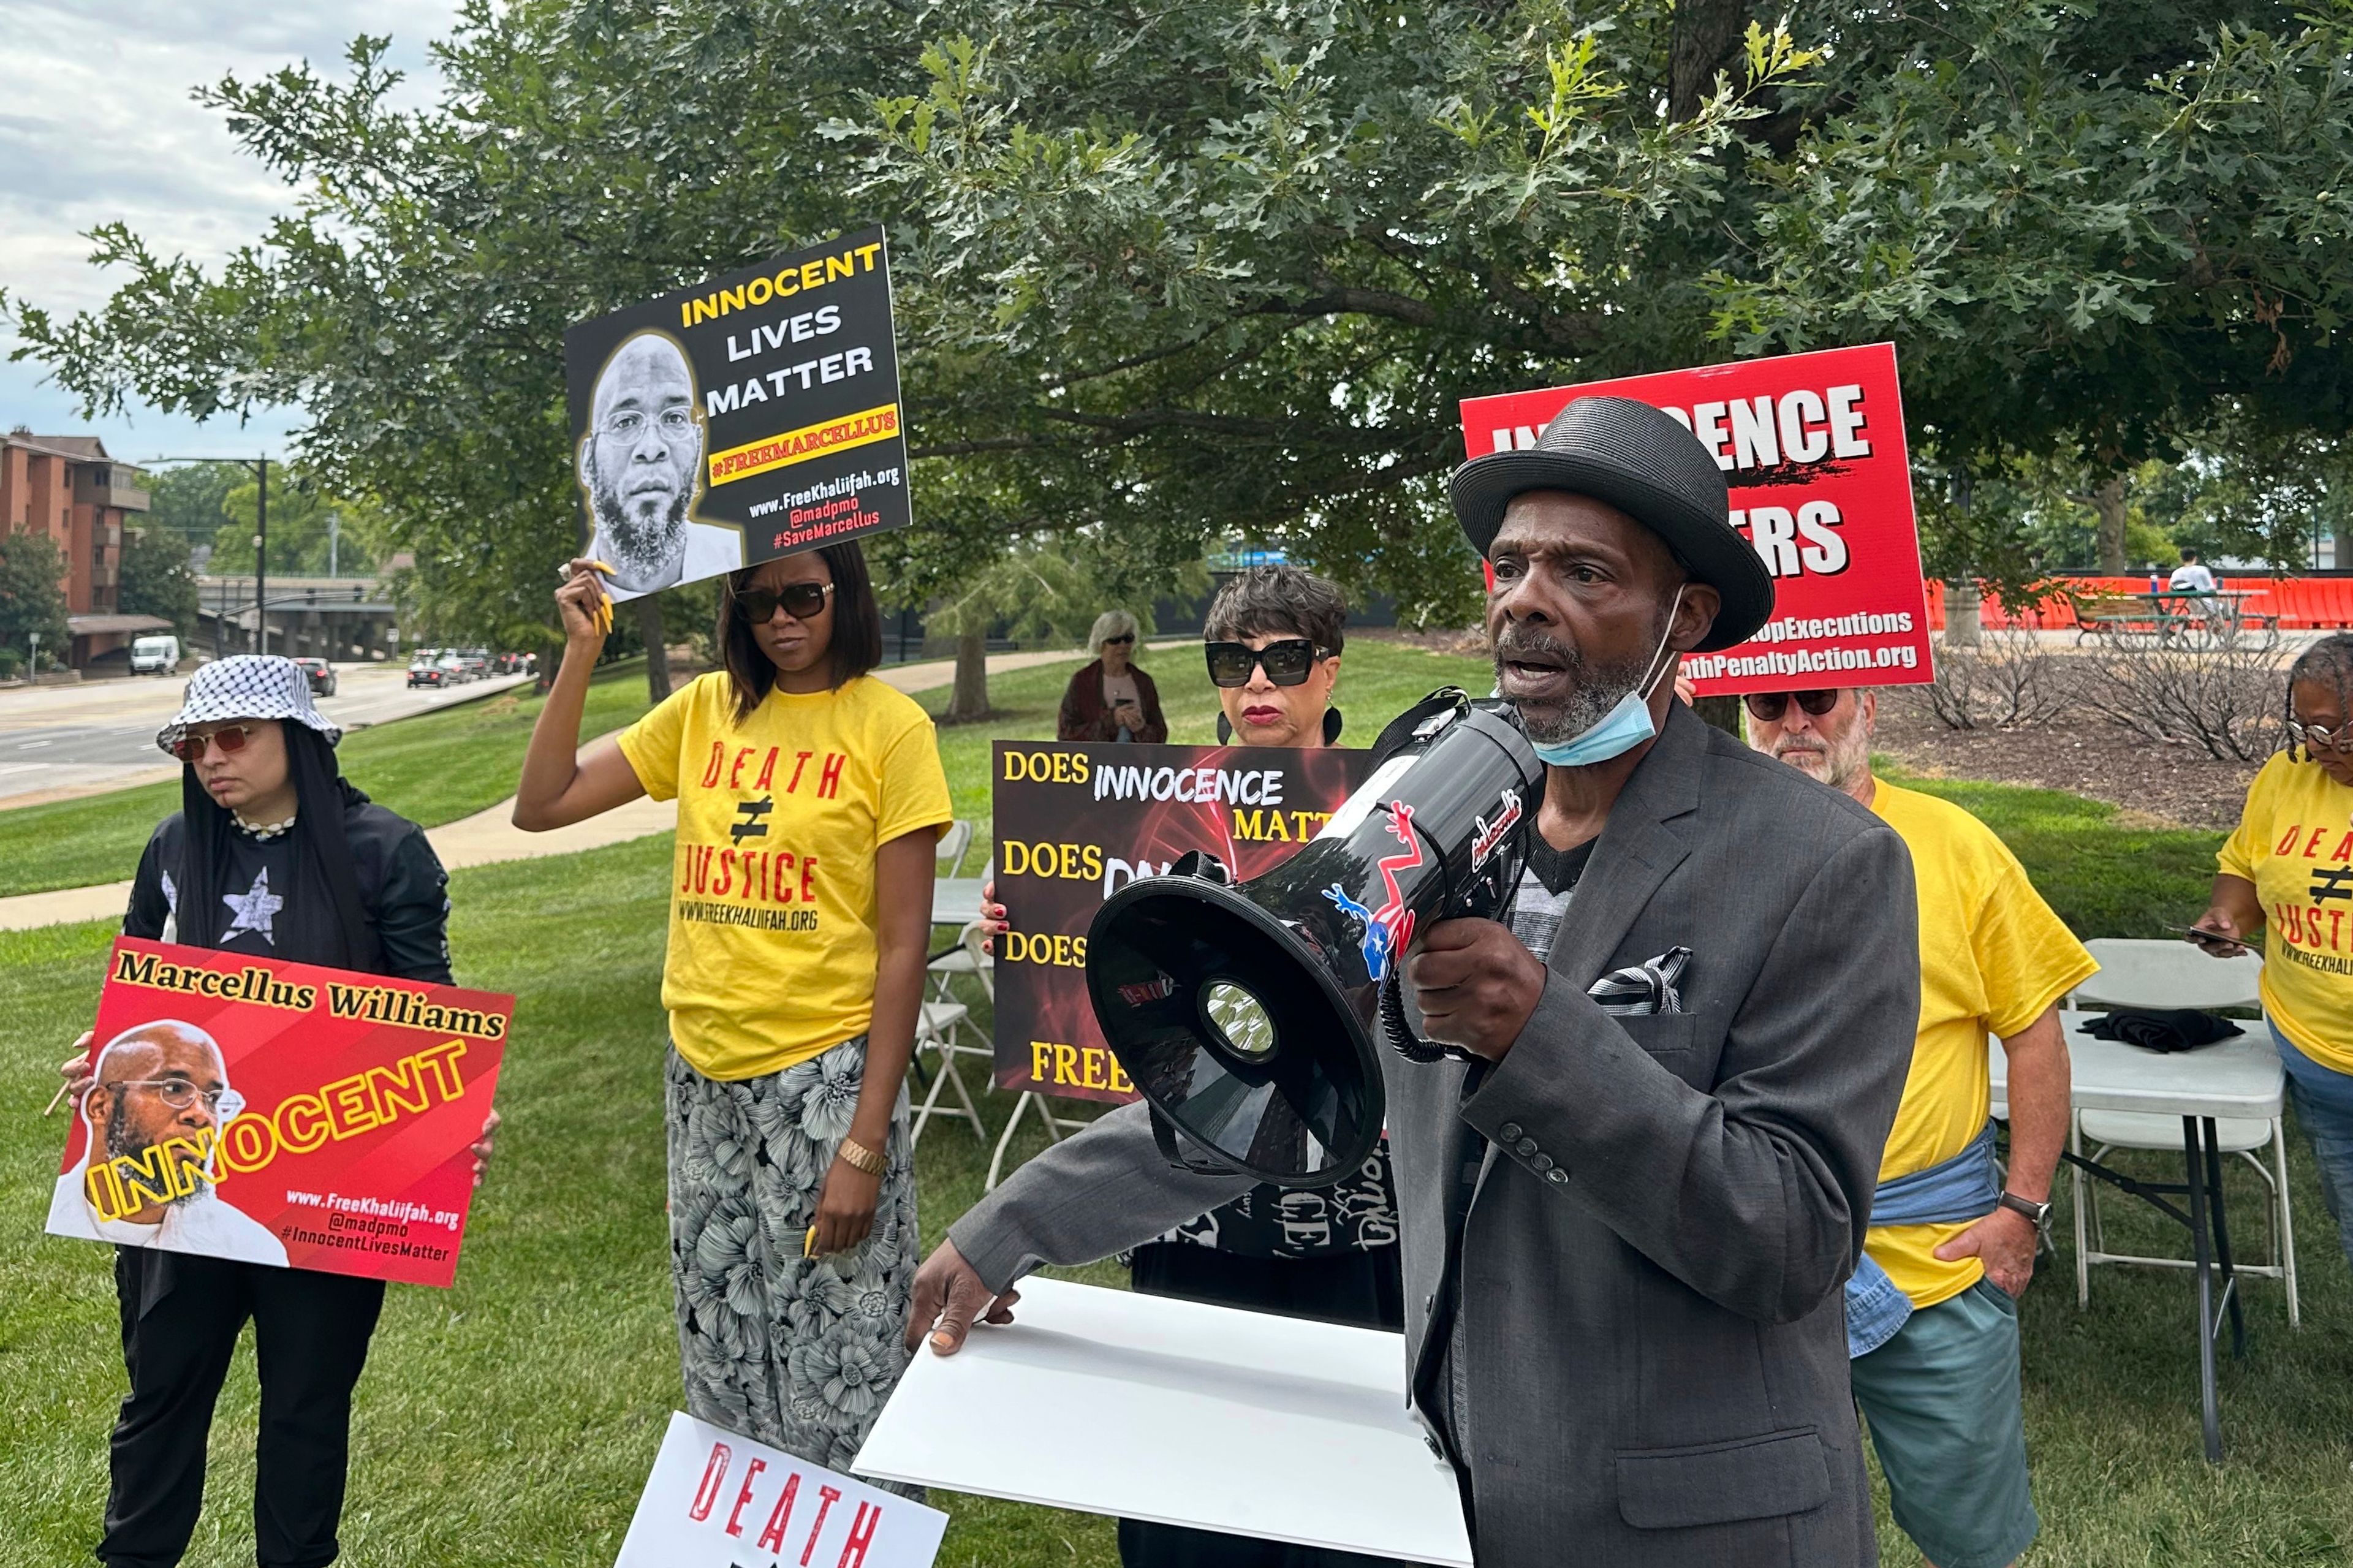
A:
{"points": [[1110, 624]]}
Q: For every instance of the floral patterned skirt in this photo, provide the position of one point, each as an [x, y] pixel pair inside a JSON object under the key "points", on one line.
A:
{"points": [[799, 1353]]}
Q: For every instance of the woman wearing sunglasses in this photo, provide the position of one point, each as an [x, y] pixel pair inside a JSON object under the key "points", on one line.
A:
{"points": [[273, 853], [1112, 699], [2289, 868], [810, 798], [1271, 641]]}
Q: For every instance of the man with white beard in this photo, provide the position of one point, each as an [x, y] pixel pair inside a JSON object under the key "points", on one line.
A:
{"points": [[641, 467]]}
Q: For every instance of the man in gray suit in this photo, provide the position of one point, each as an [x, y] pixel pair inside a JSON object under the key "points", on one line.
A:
{"points": [[1628, 1222]]}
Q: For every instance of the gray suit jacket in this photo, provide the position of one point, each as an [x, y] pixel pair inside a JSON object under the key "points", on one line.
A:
{"points": [[1649, 1365]]}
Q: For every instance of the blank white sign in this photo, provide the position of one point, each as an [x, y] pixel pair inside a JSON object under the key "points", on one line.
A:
{"points": [[1109, 1401]]}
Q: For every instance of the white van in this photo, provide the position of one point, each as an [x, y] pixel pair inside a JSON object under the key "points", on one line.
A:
{"points": [[155, 655]]}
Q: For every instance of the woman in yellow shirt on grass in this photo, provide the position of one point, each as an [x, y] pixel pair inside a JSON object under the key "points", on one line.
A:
{"points": [[810, 799], [2289, 870]]}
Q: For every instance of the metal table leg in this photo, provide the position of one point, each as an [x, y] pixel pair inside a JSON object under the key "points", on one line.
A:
{"points": [[2220, 1211], [2202, 1262]]}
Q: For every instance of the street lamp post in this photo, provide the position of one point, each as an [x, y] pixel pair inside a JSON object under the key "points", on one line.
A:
{"points": [[260, 469]]}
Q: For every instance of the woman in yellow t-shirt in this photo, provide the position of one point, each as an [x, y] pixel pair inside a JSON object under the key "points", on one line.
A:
{"points": [[810, 798], [2289, 868]]}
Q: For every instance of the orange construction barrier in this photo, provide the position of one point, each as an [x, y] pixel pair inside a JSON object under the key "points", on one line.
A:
{"points": [[2294, 604]]}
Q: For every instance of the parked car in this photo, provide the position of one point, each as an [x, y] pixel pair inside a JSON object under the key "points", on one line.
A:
{"points": [[426, 670], [155, 655], [322, 676]]}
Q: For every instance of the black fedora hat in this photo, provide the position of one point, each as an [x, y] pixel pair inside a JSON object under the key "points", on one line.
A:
{"points": [[1628, 453]]}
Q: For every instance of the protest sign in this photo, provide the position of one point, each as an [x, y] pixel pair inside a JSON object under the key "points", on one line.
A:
{"points": [[1812, 446], [282, 1113], [744, 418], [717, 1499], [1075, 824]]}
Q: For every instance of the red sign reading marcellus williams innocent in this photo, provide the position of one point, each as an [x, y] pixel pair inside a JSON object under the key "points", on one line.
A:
{"points": [[1812, 446], [280, 1113]]}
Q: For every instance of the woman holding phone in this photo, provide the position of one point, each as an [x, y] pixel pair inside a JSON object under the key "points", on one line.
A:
{"points": [[1112, 699], [811, 798], [2289, 870]]}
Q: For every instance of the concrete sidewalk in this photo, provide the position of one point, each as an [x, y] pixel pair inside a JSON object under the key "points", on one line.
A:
{"points": [[489, 836]]}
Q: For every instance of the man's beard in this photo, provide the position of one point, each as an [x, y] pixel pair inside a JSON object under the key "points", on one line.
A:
{"points": [[646, 548], [1598, 687], [123, 1141], [1838, 762]]}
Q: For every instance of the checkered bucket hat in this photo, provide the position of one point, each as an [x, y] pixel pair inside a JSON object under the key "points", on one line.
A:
{"points": [[250, 686]]}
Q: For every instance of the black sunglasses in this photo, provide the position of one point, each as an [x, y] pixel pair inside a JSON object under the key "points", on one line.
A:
{"points": [[1767, 707], [1122, 639], [802, 601], [1287, 662]]}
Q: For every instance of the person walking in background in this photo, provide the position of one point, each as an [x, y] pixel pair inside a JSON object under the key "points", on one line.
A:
{"points": [[1112, 699], [273, 853], [1932, 1320], [811, 798], [2288, 869]]}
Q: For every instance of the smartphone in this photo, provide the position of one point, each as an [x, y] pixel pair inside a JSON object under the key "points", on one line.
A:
{"points": [[2196, 934]]}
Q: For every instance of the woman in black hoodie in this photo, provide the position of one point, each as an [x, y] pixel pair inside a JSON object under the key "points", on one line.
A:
{"points": [[273, 853]]}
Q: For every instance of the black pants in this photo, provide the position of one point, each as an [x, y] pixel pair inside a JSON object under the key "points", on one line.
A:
{"points": [[1362, 1288], [181, 1316]]}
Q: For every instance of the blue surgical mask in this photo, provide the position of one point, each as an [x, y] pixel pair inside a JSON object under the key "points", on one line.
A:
{"points": [[1624, 727]]}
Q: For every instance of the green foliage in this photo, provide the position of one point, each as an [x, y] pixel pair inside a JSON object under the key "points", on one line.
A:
{"points": [[190, 499], [309, 529], [32, 595], [1171, 271], [156, 579]]}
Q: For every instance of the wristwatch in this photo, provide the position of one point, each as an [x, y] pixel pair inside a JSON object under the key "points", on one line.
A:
{"points": [[2034, 1212]]}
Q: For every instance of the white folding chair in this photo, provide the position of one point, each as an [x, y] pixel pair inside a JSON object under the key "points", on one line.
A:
{"points": [[1055, 1127], [940, 1031], [2144, 974], [953, 846]]}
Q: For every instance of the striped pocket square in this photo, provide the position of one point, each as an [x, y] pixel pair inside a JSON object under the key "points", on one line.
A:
{"points": [[1644, 989]]}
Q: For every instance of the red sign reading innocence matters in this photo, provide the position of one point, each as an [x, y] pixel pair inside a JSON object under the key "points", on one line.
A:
{"points": [[275, 1112], [1812, 446]]}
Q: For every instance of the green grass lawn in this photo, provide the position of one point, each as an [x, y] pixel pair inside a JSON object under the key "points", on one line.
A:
{"points": [[512, 1419], [432, 769]]}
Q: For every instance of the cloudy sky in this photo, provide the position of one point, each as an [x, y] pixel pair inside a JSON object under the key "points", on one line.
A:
{"points": [[97, 125]]}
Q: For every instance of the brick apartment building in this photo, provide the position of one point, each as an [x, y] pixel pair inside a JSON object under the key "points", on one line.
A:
{"points": [[69, 489]]}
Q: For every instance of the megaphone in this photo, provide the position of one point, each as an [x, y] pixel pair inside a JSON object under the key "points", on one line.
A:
{"points": [[1246, 1013]]}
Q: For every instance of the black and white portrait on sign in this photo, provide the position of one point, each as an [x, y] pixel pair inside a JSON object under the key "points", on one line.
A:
{"points": [[641, 469]]}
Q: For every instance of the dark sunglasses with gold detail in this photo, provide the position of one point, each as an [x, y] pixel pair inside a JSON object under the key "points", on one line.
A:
{"points": [[230, 738], [1767, 707], [802, 601], [1287, 662]]}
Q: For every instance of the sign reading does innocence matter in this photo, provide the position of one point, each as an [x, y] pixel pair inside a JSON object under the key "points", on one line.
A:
{"points": [[1077, 823], [1812, 446]]}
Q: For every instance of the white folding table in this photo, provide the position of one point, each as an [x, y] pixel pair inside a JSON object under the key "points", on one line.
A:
{"points": [[2240, 1077]]}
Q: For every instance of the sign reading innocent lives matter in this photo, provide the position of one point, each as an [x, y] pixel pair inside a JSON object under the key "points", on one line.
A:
{"points": [[1075, 824], [274, 1112], [1812, 446], [754, 415], [716, 1499]]}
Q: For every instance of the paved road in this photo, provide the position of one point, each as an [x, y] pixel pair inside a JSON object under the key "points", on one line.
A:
{"points": [[56, 740]]}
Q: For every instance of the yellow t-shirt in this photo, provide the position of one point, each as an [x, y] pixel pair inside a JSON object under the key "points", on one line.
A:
{"points": [[1993, 957], [2294, 842], [772, 947]]}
